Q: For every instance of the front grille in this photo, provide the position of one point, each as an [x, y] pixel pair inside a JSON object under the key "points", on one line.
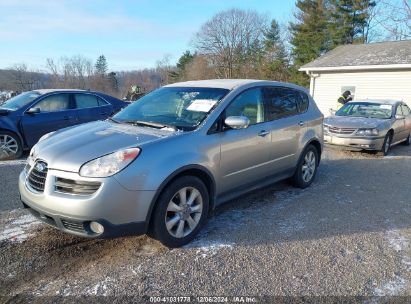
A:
{"points": [[71, 225], [341, 130], [37, 176], [69, 186]]}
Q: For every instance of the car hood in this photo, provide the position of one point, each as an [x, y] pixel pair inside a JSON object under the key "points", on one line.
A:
{"points": [[68, 149], [354, 122]]}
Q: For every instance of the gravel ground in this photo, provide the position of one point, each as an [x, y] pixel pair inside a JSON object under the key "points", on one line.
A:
{"points": [[347, 235]]}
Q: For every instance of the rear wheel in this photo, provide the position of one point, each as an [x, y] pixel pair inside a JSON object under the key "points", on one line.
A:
{"points": [[407, 141], [10, 146], [181, 211], [306, 168]]}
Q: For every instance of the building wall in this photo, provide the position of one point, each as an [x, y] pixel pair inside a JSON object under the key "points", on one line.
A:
{"points": [[388, 84]]}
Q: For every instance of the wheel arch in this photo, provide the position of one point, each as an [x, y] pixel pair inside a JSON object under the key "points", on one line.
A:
{"points": [[190, 170]]}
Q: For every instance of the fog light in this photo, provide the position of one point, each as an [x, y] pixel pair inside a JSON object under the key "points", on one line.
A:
{"points": [[96, 227]]}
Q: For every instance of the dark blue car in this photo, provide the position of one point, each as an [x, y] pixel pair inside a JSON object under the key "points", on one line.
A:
{"points": [[27, 117]]}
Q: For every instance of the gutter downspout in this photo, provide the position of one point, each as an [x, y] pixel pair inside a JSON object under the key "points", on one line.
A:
{"points": [[312, 82]]}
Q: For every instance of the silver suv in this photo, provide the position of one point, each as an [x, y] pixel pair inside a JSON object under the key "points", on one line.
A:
{"points": [[163, 163]]}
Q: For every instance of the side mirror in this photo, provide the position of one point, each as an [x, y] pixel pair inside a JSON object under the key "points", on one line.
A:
{"points": [[237, 122], [399, 117], [33, 111]]}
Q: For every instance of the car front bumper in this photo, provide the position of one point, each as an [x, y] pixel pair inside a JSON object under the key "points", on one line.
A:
{"points": [[120, 211], [355, 143]]}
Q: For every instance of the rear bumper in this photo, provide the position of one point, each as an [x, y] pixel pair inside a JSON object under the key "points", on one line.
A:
{"points": [[355, 143]]}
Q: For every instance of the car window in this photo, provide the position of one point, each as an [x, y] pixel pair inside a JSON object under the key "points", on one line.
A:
{"points": [[248, 104], [399, 110], [54, 103], [101, 102], [282, 102], [303, 102], [86, 101], [405, 110]]}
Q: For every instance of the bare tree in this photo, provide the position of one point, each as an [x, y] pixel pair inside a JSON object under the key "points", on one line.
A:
{"points": [[164, 68], [395, 18], [233, 41]]}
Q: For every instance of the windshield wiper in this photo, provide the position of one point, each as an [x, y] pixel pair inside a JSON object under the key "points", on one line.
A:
{"points": [[112, 119], [150, 124]]}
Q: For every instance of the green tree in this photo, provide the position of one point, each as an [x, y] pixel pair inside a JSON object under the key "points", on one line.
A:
{"points": [[276, 66], [113, 82], [349, 20], [101, 65], [183, 62], [310, 36]]}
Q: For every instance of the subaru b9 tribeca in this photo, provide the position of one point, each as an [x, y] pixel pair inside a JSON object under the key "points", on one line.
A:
{"points": [[163, 163]]}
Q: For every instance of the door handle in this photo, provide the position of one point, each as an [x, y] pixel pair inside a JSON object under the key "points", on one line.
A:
{"points": [[301, 123], [103, 114], [67, 117], [263, 133]]}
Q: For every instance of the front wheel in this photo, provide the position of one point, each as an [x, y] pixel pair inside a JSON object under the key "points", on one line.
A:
{"points": [[386, 145], [181, 211], [10, 146], [306, 168]]}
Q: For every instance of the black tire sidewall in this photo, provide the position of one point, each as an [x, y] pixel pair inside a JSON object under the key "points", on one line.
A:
{"points": [[298, 180], [158, 228], [17, 139], [407, 141], [387, 137]]}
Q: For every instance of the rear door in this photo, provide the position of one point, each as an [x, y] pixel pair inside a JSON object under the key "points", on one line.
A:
{"points": [[407, 121], [245, 152], [55, 113], [286, 126], [398, 126], [90, 107]]}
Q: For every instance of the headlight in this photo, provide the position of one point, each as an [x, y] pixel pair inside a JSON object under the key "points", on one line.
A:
{"points": [[109, 164], [366, 132], [45, 136], [31, 158]]}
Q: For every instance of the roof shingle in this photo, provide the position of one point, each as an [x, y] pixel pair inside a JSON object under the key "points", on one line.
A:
{"points": [[382, 53]]}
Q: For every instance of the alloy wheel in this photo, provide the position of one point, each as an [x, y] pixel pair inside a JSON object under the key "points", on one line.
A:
{"points": [[309, 166], [8, 146], [184, 212]]}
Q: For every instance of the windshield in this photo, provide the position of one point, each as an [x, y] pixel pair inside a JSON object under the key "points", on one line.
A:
{"points": [[175, 107], [365, 109], [19, 101]]}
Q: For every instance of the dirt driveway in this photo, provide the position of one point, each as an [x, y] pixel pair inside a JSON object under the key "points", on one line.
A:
{"points": [[348, 234]]}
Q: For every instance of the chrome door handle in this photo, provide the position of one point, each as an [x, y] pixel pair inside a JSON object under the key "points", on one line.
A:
{"points": [[263, 133], [301, 123]]}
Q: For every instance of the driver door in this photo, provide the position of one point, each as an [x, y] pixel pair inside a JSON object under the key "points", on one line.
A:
{"points": [[245, 152], [55, 113]]}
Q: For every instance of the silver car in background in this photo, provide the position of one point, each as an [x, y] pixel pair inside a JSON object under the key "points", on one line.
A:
{"points": [[369, 125], [163, 163]]}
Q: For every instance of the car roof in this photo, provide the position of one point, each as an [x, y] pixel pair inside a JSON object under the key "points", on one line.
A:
{"points": [[379, 101], [218, 83], [46, 91]]}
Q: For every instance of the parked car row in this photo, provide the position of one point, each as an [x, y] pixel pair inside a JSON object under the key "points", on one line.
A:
{"points": [[163, 163], [25, 118]]}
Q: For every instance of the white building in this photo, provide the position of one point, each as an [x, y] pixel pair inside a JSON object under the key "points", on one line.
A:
{"points": [[375, 70]]}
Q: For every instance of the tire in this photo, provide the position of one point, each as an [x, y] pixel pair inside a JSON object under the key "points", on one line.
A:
{"points": [[184, 220], [308, 162], [386, 146], [407, 141], [10, 146]]}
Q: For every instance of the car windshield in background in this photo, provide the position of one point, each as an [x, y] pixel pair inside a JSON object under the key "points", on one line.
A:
{"points": [[175, 107], [364, 109], [19, 101]]}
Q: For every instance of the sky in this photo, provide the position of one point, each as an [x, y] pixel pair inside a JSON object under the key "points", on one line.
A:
{"points": [[131, 34]]}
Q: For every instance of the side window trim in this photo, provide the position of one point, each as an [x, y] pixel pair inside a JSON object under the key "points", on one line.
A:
{"points": [[47, 96]]}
